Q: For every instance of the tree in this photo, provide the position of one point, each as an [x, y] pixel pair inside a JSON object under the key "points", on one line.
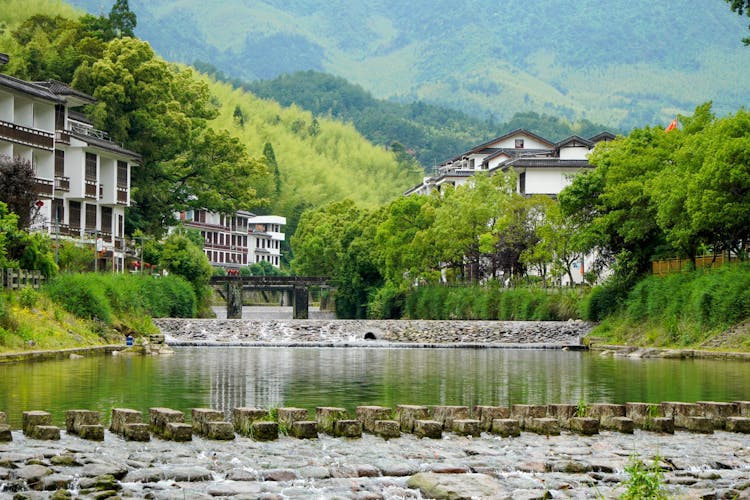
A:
{"points": [[740, 7], [319, 238], [18, 188], [181, 256], [161, 112], [19, 248], [122, 19]]}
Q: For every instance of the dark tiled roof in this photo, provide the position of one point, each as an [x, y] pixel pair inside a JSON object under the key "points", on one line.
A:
{"points": [[79, 117], [63, 90], [4, 58], [519, 131], [602, 136], [104, 144], [29, 88], [574, 138]]}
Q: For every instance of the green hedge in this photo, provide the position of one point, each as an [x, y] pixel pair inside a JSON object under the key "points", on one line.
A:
{"points": [[102, 296], [491, 303]]}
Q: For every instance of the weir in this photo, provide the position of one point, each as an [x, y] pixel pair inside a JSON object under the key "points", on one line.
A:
{"points": [[230, 288]]}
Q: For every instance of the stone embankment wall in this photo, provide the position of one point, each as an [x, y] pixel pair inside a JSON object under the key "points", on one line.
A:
{"points": [[537, 334], [522, 451]]}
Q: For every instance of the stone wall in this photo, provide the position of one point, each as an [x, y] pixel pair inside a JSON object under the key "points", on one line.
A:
{"points": [[538, 334]]}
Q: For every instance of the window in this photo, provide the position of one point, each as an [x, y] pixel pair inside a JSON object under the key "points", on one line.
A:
{"points": [[58, 211], [90, 167], [122, 174], [519, 143], [107, 219], [75, 214], [59, 163], [90, 216], [522, 183]]}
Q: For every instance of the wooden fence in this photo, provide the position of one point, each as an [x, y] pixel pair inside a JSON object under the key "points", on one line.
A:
{"points": [[14, 279], [670, 266]]}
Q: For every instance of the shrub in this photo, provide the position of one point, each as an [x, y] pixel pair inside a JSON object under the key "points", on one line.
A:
{"points": [[81, 295]]}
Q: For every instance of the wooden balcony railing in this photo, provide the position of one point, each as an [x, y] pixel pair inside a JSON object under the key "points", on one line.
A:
{"points": [[62, 183], [91, 189], [44, 187], [122, 196], [26, 135]]}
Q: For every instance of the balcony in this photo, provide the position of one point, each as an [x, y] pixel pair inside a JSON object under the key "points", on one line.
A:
{"points": [[89, 131], [44, 187], [92, 189], [122, 196], [62, 184], [26, 136]]}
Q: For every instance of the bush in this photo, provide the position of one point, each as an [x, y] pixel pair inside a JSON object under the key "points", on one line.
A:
{"points": [[387, 302], [82, 295], [490, 303], [100, 296]]}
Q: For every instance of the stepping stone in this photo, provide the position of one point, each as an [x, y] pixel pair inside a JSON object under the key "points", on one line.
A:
{"points": [[428, 428], [447, 414], [327, 416], [467, 427], [387, 429], [121, 417], [408, 414], [304, 429], [506, 427], [243, 419]]}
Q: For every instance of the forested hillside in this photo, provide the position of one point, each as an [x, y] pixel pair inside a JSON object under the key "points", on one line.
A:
{"points": [[620, 63], [431, 133], [203, 143]]}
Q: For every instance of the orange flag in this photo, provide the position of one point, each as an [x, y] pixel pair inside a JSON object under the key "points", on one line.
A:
{"points": [[671, 126]]}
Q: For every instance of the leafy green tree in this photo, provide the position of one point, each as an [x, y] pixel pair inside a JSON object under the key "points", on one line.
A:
{"points": [[20, 249], [122, 19], [740, 7], [718, 194], [181, 256], [402, 236], [161, 112], [318, 242]]}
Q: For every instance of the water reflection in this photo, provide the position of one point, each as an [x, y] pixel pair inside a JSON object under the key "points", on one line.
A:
{"points": [[225, 378]]}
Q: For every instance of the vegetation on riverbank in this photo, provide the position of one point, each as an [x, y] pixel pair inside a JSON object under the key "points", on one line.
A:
{"points": [[703, 308], [75, 310], [492, 303]]}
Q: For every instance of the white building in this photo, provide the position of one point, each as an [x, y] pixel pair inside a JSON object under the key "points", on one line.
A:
{"points": [[234, 241], [543, 167], [82, 177]]}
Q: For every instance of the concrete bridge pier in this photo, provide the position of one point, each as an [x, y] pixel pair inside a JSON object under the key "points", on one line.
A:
{"points": [[234, 299], [300, 302]]}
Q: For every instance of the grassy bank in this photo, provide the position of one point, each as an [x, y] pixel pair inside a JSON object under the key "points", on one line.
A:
{"points": [[706, 308], [75, 310]]}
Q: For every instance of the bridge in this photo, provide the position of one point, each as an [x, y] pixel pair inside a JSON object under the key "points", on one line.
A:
{"points": [[231, 287]]}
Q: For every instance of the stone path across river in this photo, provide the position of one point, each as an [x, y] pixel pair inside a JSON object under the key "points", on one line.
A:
{"points": [[567, 466]]}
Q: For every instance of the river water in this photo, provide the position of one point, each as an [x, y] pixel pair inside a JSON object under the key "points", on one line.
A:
{"points": [[228, 377]]}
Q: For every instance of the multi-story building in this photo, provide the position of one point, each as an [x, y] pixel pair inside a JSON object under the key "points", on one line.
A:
{"points": [[543, 167], [242, 239], [82, 177]]}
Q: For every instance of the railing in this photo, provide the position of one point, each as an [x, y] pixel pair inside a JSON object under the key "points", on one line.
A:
{"points": [[62, 183], [670, 266], [26, 135], [13, 279], [91, 189], [90, 131], [44, 187]]}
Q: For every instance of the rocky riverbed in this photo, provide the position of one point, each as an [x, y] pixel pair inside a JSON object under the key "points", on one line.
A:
{"points": [[536, 334], [530, 466]]}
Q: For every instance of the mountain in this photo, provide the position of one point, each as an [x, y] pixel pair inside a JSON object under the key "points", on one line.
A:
{"points": [[623, 63]]}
